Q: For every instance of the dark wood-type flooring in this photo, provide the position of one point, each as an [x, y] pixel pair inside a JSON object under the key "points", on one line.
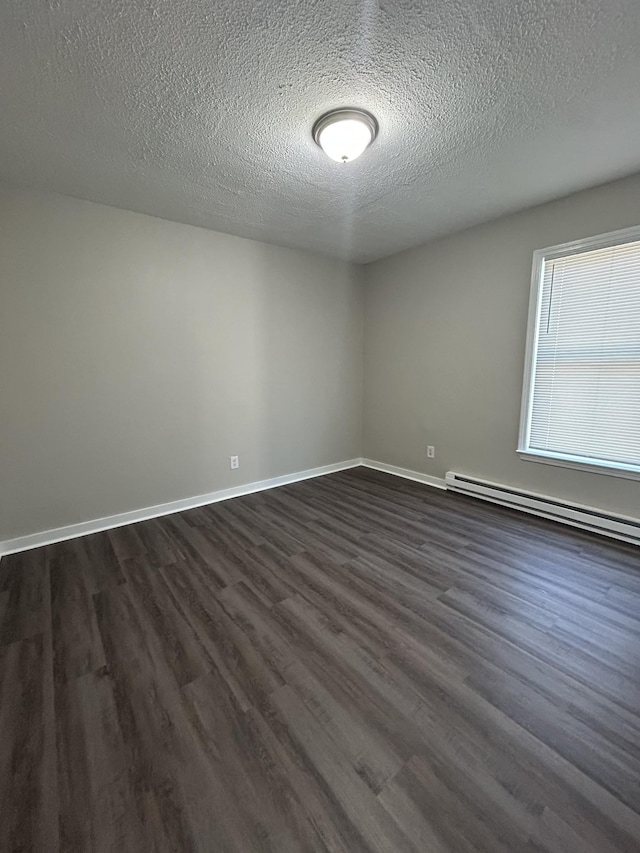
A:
{"points": [[352, 663]]}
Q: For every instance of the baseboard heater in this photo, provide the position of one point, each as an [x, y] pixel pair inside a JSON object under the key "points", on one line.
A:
{"points": [[587, 518]]}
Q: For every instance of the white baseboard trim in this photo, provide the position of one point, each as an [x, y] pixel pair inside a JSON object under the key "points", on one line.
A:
{"points": [[436, 482], [72, 531]]}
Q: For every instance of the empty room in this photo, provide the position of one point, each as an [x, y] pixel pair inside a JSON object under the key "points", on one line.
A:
{"points": [[319, 426]]}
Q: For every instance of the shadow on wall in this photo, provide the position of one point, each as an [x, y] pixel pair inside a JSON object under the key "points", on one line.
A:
{"points": [[309, 359]]}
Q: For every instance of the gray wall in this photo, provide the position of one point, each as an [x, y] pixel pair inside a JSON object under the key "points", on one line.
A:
{"points": [[137, 355], [445, 329]]}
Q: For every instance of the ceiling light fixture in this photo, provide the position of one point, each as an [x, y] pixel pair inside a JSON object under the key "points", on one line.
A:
{"points": [[344, 134]]}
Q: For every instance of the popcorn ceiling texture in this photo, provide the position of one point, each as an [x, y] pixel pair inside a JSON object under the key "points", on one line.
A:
{"points": [[200, 111]]}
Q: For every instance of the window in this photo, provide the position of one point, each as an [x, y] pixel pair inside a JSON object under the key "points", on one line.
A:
{"points": [[581, 396]]}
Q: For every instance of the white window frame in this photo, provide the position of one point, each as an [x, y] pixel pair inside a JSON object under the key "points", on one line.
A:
{"points": [[540, 257]]}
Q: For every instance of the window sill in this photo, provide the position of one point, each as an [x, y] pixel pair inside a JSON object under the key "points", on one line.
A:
{"points": [[609, 468]]}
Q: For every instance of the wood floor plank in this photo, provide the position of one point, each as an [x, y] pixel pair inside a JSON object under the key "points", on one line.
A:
{"points": [[26, 605], [28, 790], [100, 563], [77, 645], [363, 809], [352, 664], [370, 754], [262, 809], [159, 548], [96, 795]]}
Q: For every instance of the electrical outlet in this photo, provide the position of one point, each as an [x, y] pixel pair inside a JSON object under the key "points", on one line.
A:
{"points": [[431, 452], [234, 462]]}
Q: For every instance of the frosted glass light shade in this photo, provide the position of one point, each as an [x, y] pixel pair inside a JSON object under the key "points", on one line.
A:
{"points": [[344, 134]]}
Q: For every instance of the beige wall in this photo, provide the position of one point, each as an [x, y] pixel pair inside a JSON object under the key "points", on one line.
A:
{"points": [[445, 329], [137, 355]]}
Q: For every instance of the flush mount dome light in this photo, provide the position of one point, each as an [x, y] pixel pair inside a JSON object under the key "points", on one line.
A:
{"points": [[344, 134]]}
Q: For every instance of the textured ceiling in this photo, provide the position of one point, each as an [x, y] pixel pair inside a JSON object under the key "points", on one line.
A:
{"points": [[201, 110]]}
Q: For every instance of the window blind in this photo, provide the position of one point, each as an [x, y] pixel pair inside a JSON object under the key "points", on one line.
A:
{"points": [[585, 398]]}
